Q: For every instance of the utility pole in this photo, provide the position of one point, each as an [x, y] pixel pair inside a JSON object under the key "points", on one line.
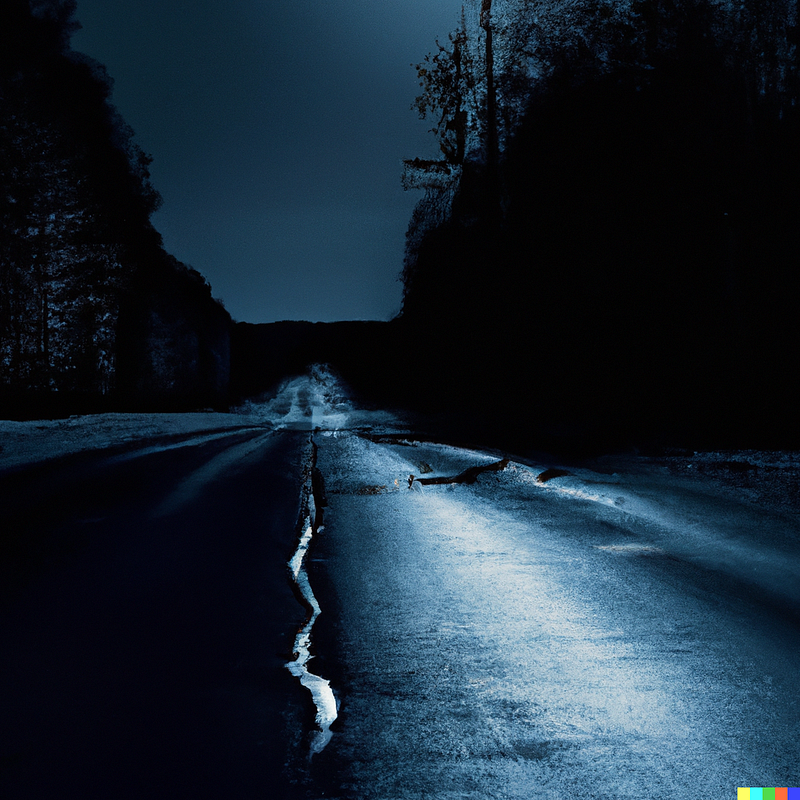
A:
{"points": [[492, 143]]}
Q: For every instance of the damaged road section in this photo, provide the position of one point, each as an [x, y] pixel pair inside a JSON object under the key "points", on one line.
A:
{"points": [[468, 476], [535, 633], [311, 524]]}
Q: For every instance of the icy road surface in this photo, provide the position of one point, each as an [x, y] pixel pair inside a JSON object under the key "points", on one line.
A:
{"points": [[484, 625], [595, 635]]}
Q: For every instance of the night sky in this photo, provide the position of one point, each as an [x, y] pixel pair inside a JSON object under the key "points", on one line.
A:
{"points": [[277, 132]]}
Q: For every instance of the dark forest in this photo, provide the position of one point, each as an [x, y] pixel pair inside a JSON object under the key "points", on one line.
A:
{"points": [[604, 255], [627, 268], [93, 313]]}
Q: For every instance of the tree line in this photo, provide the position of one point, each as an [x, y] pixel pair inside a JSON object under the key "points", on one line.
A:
{"points": [[607, 243], [84, 280]]}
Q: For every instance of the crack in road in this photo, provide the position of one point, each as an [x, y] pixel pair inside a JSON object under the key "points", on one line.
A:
{"points": [[320, 688], [468, 476]]}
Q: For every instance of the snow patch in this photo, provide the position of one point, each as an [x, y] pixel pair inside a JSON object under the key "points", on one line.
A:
{"points": [[34, 441], [317, 400]]}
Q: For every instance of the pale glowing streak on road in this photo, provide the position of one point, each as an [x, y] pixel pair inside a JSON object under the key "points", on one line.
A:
{"points": [[320, 689], [593, 662], [191, 487]]}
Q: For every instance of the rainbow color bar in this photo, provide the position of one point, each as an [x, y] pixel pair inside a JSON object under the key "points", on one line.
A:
{"points": [[761, 793]]}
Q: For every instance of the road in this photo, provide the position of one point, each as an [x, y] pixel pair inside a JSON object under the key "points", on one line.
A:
{"points": [[595, 635], [601, 631], [147, 619]]}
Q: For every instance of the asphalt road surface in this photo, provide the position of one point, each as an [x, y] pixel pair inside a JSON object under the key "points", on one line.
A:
{"points": [[587, 636], [494, 633], [146, 621]]}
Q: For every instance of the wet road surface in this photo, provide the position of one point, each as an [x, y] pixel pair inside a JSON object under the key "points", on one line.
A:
{"points": [[509, 633], [513, 639], [147, 619]]}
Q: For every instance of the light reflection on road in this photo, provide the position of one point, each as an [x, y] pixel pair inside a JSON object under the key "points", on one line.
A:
{"points": [[526, 638]]}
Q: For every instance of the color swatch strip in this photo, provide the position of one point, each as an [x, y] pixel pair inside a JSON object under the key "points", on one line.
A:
{"points": [[762, 793]]}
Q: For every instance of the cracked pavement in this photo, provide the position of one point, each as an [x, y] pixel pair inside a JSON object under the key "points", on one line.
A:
{"points": [[594, 635]]}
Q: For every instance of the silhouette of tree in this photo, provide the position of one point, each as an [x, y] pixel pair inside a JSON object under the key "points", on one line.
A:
{"points": [[633, 283], [448, 82], [79, 258], [75, 189], [492, 142]]}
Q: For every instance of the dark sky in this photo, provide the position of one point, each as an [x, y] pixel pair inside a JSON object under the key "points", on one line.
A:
{"points": [[278, 131]]}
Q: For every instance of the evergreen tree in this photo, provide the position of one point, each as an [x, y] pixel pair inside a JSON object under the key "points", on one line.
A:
{"points": [[74, 195], [639, 272]]}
